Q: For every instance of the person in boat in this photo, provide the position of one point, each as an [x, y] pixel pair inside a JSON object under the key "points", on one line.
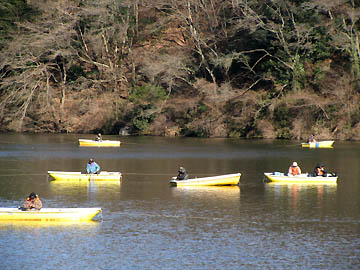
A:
{"points": [[98, 138], [92, 167], [182, 174], [320, 170], [33, 202], [311, 139], [294, 169]]}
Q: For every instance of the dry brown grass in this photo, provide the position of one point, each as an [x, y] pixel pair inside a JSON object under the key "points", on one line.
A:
{"points": [[355, 132], [85, 116], [266, 129]]}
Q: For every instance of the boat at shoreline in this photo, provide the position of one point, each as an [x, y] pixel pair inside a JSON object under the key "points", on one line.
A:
{"points": [[221, 180], [78, 176], [320, 144], [302, 178], [50, 214], [103, 143]]}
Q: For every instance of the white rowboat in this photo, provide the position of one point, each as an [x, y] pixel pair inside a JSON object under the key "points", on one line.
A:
{"points": [[302, 178], [221, 180]]}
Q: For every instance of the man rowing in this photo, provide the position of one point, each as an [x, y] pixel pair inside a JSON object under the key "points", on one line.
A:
{"points": [[92, 167]]}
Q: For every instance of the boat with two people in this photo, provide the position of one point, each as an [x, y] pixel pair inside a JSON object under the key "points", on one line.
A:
{"points": [[301, 178]]}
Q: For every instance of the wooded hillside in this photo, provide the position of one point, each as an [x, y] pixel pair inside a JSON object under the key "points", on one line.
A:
{"points": [[230, 68]]}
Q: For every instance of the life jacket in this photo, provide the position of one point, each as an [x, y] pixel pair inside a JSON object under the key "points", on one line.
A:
{"points": [[29, 199], [319, 171], [295, 170]]}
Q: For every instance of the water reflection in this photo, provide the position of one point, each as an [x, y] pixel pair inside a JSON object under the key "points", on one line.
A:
{"points": [[297, 193], [301, 186], [220, 192], [212, 227], [25, 224], [210, 197], [78, 189], [92, 186]]}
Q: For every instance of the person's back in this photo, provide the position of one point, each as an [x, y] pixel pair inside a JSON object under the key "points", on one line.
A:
{"points": [[33, 202]]}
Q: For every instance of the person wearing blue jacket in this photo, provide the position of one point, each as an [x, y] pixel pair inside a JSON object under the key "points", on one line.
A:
{"points": [[92, 167]]}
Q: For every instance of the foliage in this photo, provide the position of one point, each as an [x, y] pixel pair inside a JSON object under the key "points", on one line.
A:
{"points": [[282, 119], [147, 94], [146, 99], [135, 62]]}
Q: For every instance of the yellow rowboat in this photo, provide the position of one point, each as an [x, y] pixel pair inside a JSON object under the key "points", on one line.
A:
{"points": [[322, 144], [78, 176], [103, 143], [302, 178], [221, 180], [49, 214], [19, 224]]}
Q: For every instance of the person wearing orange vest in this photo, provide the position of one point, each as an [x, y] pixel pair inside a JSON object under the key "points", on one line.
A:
{"points": [[320, 170], [33, 202], [294, 169]]}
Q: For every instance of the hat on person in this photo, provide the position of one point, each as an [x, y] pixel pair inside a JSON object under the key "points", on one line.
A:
{"points": [[294, 164], [181, 169], [91, 160], [320, 165]]}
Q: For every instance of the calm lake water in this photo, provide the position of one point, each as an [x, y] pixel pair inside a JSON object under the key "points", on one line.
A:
{"points": [[146, 224]]}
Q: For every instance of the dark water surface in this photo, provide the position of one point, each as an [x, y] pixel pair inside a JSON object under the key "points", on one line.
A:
{"points": [[146, 224]]}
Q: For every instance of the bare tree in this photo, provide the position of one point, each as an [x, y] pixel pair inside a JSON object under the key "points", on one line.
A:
{"points": [[37, 65], [105, 42], [33, 63], [169, 70], [344, 18], [290, 35], [199, 21]]}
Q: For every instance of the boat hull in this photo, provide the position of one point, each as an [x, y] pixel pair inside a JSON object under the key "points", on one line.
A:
{"points": [[221, 180], [50, 214], [104, 143], [322, 144], [78, 176], [303, 178]]}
